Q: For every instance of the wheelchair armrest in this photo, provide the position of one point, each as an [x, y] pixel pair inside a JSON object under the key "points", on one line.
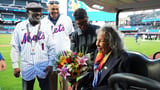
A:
{"points": [[133, 80]]}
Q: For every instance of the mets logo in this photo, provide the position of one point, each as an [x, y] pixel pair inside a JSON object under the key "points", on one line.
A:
{"points": [[37, 37], [57, 29]]}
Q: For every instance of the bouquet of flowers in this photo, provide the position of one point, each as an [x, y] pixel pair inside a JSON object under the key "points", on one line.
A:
{"points": [[73, 64]]}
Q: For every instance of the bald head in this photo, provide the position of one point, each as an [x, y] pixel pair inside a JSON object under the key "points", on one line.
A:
{"points": [[51, 2], [53, 8]]}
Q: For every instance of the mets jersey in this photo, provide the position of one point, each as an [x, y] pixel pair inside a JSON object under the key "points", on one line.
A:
{"points": [[60, 32], [36, 48]]}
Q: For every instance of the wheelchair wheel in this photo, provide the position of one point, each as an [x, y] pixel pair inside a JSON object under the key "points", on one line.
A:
{"points": [[156, 55]]}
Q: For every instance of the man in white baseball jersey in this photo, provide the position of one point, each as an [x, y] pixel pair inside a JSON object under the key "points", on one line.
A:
{"points": [[61, 27], [36, 48]]}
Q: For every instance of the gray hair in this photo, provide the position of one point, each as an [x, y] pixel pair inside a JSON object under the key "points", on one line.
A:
{"points": [[113, 38]]}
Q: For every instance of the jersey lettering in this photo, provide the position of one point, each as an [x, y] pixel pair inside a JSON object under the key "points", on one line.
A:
{"points": [[57, 29], [26, 38]]}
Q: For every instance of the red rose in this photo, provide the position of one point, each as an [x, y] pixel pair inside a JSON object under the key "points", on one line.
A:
{"points": [[80, 66], [68, 60], [60, 66]]}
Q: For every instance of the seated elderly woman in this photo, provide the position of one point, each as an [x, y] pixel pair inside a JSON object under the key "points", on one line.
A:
{"points": [[109, 59]]}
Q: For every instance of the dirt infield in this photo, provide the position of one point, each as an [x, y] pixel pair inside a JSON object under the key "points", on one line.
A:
{"points": [[5, 35], [5, 45]]}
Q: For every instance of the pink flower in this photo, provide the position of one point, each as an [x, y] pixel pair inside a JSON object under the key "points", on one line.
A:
{"points": [[72, 64], [64, 72], [74, 53], [82, 60]]}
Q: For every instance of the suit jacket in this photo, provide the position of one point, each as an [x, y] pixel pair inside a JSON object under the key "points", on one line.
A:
{"points": [[114, 64]]}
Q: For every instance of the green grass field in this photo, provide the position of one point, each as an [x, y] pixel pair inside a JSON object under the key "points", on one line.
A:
{"points": [[147, 47], [9, 82]]}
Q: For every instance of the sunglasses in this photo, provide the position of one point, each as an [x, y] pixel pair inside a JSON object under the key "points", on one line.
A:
{"points": [[53, 2]]}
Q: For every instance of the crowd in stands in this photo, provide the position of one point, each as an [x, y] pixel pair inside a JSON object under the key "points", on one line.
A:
{"points": [[13, 12]]}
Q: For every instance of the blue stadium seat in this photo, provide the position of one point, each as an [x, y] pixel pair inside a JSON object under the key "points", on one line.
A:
{"points": [[20, 2], [6, 1]]}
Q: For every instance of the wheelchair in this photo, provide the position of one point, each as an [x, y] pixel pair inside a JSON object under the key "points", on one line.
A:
{"points": [[144, 75]]}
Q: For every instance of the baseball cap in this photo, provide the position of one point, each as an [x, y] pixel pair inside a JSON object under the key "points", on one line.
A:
{"points": [[33, 5], [53, 2]]}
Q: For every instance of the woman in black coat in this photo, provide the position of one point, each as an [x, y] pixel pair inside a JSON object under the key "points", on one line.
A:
{"points": [[110, 58]]}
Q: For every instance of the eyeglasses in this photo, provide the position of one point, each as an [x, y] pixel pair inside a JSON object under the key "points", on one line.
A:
{"points": [[53, 2]]}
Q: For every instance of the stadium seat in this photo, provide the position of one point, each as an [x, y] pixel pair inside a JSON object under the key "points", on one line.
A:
{"points": [[20, 3], [6, 2], [144, 73]]}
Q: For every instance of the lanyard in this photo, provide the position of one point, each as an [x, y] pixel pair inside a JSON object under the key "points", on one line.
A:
{"points": [[36, 35]]}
